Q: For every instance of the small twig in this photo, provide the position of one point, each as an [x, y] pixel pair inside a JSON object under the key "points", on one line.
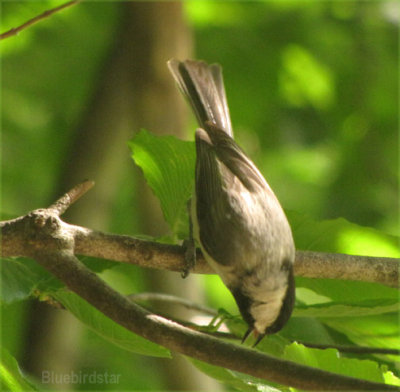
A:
{"points": [[173, 299], [36, 19], [160, 297], [203, 329], [65, 201], [354, 349]]}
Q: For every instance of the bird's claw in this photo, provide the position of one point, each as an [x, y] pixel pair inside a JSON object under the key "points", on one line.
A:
{"points": [[190, 257]]}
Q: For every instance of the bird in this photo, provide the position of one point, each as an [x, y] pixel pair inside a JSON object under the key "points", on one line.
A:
{"points": [[237, 220]]}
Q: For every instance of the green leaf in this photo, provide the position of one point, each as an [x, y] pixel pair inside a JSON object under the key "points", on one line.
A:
{"points": [[305, 329], [17, 280], [107, 328], [239, 381], [168, 166], [373, 331], [10, 375], [366, 313], [20, 277], [356, 309], [390, 378], [348, 292], [331, 360]]}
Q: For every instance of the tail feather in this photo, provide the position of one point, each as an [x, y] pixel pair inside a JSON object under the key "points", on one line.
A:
{"points": [[203, 87]]}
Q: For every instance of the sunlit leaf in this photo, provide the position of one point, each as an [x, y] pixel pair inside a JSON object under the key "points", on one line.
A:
{"points": [[11, 378], [331, 360], [340, 235], [348, 291], [390, 378]]}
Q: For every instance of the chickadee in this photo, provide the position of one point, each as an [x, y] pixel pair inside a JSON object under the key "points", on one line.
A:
{"points": [[237, 220]]}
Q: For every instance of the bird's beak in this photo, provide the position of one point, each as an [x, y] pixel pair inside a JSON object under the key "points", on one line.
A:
{"points": [[258, 337], [256, 334], [246, 335]]}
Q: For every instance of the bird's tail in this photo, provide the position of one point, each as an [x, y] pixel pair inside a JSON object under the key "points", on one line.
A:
{"points": [[203, 87]]}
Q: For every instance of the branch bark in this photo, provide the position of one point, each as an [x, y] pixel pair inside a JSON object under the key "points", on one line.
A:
{"points": [[43, 236], [122, 248]]}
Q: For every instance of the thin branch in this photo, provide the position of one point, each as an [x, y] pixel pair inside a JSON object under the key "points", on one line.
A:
{"points": [[172, 299], [36, 19], [354, 349], [65, 201], [194, 326]]}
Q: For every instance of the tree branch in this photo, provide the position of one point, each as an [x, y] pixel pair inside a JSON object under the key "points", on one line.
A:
{"points": [[43, 236], [66, 267], [151, 254], [38, 18], [384, 270]]}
